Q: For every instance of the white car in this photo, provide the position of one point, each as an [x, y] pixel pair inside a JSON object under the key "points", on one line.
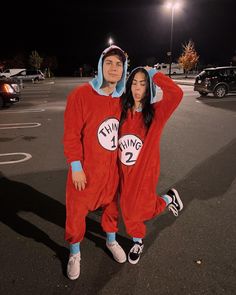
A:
{"points": [[164, 68], [29, 75], [10, 72]]}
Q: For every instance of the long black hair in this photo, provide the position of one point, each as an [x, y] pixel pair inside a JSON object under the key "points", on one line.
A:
{"points": [[127, 100]]}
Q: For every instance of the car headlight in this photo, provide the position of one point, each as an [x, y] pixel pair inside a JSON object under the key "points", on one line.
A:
{"points": [[16, 87], [7, 88]]}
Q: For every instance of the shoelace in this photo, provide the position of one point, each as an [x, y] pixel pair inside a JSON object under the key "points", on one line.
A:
{"points": [[137, 249], [73, 259], [114, 244], [173, 209]]}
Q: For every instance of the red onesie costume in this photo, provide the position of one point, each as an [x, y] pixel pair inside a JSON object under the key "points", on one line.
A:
{"points": [[139, 153], [91, 123]]}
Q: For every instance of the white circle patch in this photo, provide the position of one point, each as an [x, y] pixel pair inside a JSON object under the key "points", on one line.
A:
{"points": [[129, 149], [108, 134]]}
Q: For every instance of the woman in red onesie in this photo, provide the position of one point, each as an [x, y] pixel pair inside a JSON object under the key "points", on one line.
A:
{"points": [[141, 125], [91, 123]]}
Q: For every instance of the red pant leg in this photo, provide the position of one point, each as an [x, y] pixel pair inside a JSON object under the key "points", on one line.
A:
{"points": [[76, 212], [110, 216], [135, 229], [135, 226]]}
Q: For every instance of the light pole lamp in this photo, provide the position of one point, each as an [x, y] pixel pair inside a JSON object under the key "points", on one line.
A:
{"points": [[110, 41]]}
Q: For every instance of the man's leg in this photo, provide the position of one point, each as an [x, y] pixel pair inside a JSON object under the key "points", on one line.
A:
{"points": [[75, 230], [110, 226]]}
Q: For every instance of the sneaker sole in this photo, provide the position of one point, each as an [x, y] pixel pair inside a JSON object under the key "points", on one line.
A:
{"points": [[73, 278], [122, 261], [181, 206], [133, 261]]}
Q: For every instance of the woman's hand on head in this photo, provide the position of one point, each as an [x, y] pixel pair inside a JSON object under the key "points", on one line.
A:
{"points": [[147, 68]]}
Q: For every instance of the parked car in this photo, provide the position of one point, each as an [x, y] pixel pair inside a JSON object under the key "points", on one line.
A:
{"points": [[9, 92], [29, 75], [10, 72], [164, 68], [219, 81]]}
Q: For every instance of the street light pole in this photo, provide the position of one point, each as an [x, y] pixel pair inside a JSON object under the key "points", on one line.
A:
{"points": [[174, 5], [171, 37]]}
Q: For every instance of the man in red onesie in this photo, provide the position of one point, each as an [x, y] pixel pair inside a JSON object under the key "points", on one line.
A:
{"points": [[91, 123]]}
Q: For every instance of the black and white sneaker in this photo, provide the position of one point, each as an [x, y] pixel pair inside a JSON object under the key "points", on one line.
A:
{"points": [[176, 204], [135, 252]]}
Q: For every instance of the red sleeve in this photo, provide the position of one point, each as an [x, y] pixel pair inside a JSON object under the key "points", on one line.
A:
{"points": [[73, 124], [172, 96]]}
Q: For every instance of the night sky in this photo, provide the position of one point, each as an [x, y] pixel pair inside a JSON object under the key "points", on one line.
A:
{"points": [[76, 32]]}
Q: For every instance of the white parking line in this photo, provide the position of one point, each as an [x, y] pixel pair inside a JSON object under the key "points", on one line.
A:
{"points": [[39, 95], [216, 100], [26, 157], [19, 125], [24, 111]]}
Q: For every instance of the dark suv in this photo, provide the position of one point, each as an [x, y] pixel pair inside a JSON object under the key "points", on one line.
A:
{"points": [[219, 81]]}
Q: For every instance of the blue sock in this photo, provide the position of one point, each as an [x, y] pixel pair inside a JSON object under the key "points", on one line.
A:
{"points": [[111, 237], [138, 240], [167, 199], [75, 248]]}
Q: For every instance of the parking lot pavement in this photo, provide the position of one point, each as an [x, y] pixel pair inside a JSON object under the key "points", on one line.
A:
{"points": [[183, 80]]}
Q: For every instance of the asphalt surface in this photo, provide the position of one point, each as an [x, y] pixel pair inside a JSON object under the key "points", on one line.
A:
{"points": [[192, 254]]}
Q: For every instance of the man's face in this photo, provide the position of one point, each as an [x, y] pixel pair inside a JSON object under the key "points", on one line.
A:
{"points": [[112, 69]]}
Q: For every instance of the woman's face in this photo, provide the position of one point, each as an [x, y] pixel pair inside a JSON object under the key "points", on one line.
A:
{"points": [[139, 86]]}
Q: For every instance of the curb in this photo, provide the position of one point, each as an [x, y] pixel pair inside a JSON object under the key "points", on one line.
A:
{"points": [[189, 83]]}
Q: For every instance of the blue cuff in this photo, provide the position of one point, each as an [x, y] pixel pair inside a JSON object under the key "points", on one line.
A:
{"points": [[111, 237], [152, 72], [75, 248], [76, 166]]}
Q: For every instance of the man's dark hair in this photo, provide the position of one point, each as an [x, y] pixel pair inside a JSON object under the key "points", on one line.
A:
{"points": [[117, 52]]}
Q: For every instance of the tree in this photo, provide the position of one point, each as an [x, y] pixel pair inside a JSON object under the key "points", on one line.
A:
{"points": [[189, 58], [35, 60], [50, 64], [18, 61], [128, 60]]}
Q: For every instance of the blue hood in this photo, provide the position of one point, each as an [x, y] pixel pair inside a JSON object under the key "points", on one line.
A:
{"points": [[97, 82]]}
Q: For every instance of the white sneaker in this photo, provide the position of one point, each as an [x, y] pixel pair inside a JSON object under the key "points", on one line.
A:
{"points": [[117, 251], [135, 252], [73, 266]]}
